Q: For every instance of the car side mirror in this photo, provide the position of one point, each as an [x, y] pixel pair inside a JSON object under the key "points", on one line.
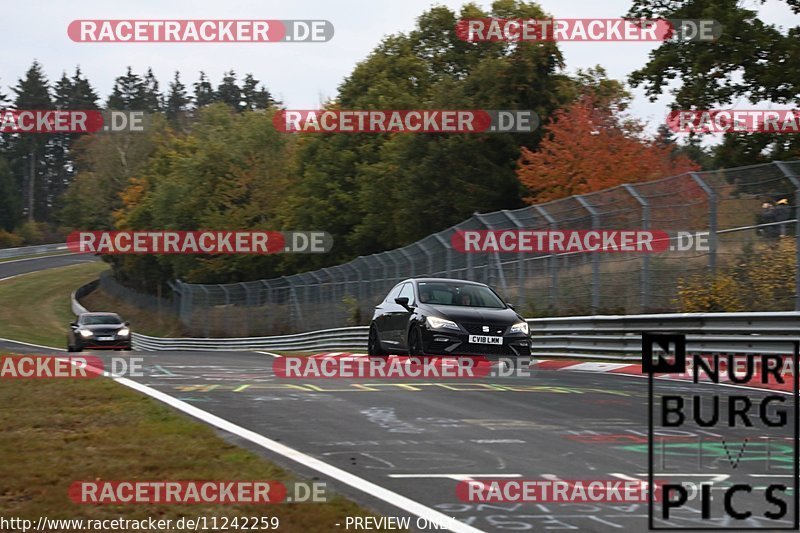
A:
{"points": [[402, 301], [73, 324], [510, 306], [127, 323]]}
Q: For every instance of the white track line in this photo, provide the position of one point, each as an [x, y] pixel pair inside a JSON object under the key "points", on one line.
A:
{"points": [[33, 258], [269, 353], [324, 468], [367, 487], [31, 344], [16, 276]]}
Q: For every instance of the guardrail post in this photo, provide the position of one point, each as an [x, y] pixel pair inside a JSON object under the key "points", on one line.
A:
{"points": [[595, 214], [644, 278], [552, 224], [712, 221], [795, 180]]}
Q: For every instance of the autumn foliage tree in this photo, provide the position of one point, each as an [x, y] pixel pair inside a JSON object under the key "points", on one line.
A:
{"points": [[590, 146]]}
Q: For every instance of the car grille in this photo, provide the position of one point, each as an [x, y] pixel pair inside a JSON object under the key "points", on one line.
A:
{"points": [[104, 332], [477, 329]]}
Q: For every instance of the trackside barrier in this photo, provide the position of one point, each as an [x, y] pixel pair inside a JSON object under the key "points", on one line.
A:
{"points": [[592, 337], [611, 337], [5, 253], [351, 338]]}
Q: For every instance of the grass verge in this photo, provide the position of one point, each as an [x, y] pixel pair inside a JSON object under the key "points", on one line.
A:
{"points": [[56, 432], [59, 431], [35, 307]]}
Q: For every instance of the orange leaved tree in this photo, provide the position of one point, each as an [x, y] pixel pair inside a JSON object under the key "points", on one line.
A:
{"points": [[590, 147]]}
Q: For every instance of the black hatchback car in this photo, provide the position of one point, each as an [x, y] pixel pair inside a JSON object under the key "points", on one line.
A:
{"points": [[435, 316], [99, 331]]}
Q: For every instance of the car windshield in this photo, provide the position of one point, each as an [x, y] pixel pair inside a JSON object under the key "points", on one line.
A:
{"points": [[458, 294], [101, 319]]}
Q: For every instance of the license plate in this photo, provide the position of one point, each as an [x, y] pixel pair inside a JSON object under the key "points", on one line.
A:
{"points": [[105, 338], [483, 339]]}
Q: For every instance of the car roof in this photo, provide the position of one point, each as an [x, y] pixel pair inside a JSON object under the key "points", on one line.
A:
{"points": [[99, 314], [446, 280]]}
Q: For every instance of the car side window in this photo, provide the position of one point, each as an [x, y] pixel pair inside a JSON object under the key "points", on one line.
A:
{"points": [[394, 293], [407, 292]]}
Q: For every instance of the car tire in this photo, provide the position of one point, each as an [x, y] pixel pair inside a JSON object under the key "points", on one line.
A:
{"points": [[70, 348], [415, 342], [77, 348], [374, 348]]}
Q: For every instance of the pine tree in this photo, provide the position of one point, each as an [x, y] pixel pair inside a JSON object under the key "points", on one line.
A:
{"points": [[203, 92], [128, 93], [29, 151], [83, 96], [177, 102], [150, 95], [253, 96], [9, 197], [230, 93]]}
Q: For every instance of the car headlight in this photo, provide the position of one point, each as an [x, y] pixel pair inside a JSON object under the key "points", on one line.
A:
{"points": [[85, 333], [439, 323], [124, 332], [519, 327]]}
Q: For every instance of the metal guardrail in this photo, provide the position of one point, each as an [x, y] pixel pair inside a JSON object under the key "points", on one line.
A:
{"points": [[619, 336], [351, 338], [6, 253], [593, 337], [611, 337]]}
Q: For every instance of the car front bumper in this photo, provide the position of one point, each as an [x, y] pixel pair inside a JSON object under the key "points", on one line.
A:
{"points": [[438, 342], [94, 344]]}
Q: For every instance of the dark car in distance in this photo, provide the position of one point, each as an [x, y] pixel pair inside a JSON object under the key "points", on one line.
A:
{"points": [[436, 316], [99, 331]]}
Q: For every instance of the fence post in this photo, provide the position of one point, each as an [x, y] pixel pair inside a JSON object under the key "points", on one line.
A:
{"points": [[712, 221], [208, 307], [795, 180], [448, 257], [645, 273], [429, 257], [410, 273], [552, 224], [396, 262], [595, 214], [183, 301], [520, 261]]}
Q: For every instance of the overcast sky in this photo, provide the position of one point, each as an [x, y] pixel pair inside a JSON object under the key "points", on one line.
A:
{"points": [[302, 75]]}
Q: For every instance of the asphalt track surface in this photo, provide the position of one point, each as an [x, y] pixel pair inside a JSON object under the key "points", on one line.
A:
{"points": [[16, 267], [418, 438]]}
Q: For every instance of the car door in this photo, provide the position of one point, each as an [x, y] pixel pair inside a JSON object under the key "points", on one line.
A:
{"points": [[383, 314], [401, 315]]}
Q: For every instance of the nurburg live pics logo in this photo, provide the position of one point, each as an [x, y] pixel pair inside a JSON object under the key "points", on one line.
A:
{"points": [[742, 479]]}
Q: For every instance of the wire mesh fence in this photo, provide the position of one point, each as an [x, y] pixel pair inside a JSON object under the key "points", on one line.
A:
{"points": [[724, 205]]}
